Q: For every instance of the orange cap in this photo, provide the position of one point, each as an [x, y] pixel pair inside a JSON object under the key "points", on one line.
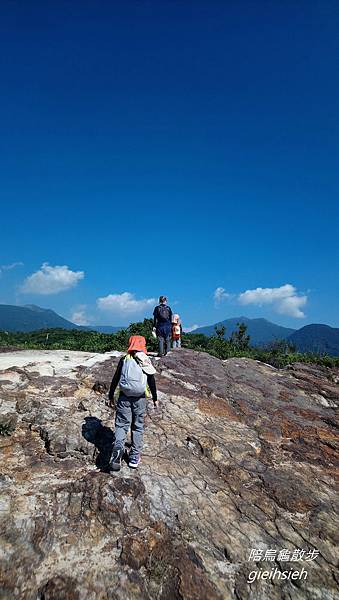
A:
{"points": [[138, 343]]}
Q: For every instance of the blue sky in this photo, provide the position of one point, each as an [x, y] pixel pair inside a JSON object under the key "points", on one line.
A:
{"points": [[173, 148]]}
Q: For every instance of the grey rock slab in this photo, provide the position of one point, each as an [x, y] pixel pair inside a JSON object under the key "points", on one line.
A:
{"points": [[238, 456]]}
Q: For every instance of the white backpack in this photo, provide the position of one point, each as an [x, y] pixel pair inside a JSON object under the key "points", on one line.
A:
{"points": [[133, 380]]}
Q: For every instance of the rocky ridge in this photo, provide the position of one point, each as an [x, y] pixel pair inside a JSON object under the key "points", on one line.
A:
{"points": [[239, 457]]}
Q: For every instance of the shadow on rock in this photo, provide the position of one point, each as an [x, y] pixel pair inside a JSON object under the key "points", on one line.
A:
{"points": [[59, 588], [103, 439]]}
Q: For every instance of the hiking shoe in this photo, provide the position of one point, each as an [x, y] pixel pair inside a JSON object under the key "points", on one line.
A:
{"points": [[134, 461], [115, 462]]}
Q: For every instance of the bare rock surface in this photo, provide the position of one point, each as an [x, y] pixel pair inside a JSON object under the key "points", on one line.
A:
{"points": [[239, 456]]}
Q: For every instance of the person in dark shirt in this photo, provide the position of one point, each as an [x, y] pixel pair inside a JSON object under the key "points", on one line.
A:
{"points": [[162, 323], [134, 379]]}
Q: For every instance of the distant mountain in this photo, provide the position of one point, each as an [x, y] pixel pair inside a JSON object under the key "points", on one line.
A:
{"points": [[322, 339], [31, 318], [260, 331]]}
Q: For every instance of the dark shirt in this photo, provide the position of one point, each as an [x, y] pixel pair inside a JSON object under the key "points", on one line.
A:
{"points": [[157, 322], [116, 379]]}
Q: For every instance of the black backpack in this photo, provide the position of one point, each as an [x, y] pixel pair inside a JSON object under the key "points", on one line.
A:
{"points": [[163, 313]]}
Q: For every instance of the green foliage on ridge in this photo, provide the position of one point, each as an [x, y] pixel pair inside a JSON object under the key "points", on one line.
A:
{"points": [[75, 339], [278, 354]]}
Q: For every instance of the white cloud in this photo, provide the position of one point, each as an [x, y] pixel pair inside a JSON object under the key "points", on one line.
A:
{"points": [[266, 295], [51, 280], [125, 303], [10, 267], [284, 299], [219, 295], [79, 316], [291, 306], [192, 328]]}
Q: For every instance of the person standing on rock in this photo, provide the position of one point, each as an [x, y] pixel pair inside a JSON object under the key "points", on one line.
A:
{"points": [[162, 324], [176, 331], [135, 377]]}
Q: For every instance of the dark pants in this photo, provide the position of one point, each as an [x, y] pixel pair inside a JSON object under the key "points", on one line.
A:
{"points": [[164, 340], [130, 412]]}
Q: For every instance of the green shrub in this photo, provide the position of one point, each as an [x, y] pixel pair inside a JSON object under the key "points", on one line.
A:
{"points": [[6, 429], [279, 354]]}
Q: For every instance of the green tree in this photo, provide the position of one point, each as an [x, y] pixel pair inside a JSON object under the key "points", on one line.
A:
{"points": [[220, 331], [279, 354], [280, 347], [239, 339]]}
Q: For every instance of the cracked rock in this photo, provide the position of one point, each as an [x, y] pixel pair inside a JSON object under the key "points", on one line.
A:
{"points": [[238, 456]]}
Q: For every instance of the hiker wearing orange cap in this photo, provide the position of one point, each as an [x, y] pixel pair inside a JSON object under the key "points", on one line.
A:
{"points": [[134, 375], [137, 343]]}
